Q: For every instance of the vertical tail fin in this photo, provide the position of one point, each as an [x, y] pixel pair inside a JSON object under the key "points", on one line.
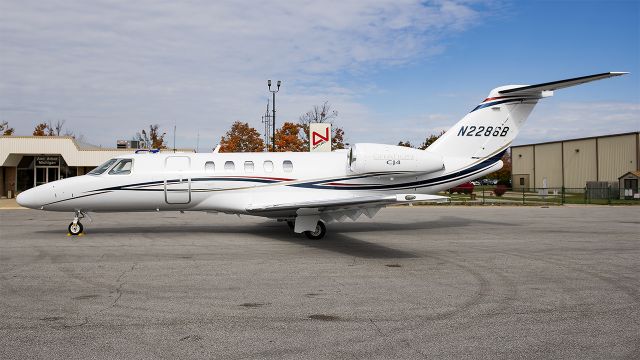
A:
{"points": [[492, 125]]}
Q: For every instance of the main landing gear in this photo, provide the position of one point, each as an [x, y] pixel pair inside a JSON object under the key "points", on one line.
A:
{"points": [[318, 233], [75, 228]]}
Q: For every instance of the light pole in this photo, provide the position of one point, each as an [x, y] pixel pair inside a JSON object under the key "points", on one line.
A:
{"points": [[273, 118], [266, 120]]}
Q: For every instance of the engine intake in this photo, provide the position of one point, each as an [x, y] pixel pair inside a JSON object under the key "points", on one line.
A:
{"points": [[373, 158]]}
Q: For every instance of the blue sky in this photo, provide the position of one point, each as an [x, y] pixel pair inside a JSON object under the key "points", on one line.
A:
{"points": [[394, 70]]}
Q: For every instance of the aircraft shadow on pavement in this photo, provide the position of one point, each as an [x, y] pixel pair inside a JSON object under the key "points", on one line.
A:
{"points": [[337, 239]]}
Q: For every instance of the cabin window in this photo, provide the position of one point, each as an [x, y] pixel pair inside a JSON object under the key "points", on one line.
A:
{"points": [[268, 166], [287, 166], [102, 168], [123, 167], [209, 167], [248, 166], [229, 166]]}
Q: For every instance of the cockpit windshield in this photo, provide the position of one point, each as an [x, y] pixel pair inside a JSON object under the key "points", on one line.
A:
{"points": [[102, 168], [123, 167]]}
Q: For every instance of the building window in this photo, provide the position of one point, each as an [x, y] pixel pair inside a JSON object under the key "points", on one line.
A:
{"points": [[521, 181], [229, 166], [248, 166], [209, 167], [268, 166], [287, 166]]}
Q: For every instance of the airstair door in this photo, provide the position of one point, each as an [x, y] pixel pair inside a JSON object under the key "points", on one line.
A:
{"points": [[177, 182]]}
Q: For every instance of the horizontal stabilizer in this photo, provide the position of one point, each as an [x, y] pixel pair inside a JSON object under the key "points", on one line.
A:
{"points": [[560, 84]]}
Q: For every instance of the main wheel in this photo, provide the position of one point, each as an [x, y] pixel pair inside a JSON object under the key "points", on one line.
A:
{"points": [[318, 233], [291, 224], [75, 229]]}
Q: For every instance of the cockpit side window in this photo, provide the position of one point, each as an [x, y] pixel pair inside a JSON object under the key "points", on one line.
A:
{"points": [[102, 168], [123, 167]]}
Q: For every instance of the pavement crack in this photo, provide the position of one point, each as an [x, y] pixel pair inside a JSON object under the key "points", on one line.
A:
{"points": [[118, 290], [377, 327], [120, 285], [84, 322]]}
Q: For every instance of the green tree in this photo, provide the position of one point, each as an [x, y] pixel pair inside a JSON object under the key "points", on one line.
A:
{"points": [[430, 140]]}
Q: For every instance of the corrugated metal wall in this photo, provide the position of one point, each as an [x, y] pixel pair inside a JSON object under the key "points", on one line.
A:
{"points": [[548, 164], [596, 159], [56, 145], [522, 160], [579, 162], [64, 146], [616, 156]]}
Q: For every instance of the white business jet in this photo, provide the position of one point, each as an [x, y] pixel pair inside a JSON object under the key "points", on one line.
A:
{"points": [[307, 190]]}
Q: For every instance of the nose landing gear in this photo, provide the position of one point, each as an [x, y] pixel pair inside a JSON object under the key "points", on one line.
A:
{"points": [[75, 228]]}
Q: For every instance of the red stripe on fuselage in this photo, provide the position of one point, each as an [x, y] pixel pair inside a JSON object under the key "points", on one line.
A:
{"points": [[257, 177]]}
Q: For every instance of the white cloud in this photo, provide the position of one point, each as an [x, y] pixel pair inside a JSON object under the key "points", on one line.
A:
{"points": [[112, 67], [579, 119]]}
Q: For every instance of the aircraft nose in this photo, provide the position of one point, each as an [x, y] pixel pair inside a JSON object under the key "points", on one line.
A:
{"points": [[29, 199]]}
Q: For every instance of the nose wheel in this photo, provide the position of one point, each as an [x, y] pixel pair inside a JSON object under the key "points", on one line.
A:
{"points": [[76, 228]]}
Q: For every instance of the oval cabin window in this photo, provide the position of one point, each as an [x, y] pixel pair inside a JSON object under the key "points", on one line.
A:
{"points": [[229, 166], [287, 166], [268, 166], [248, 166], [209, 167]]}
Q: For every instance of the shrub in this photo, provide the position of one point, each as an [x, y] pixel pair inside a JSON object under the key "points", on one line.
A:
{"points": [[466, 188], [500, 190]]}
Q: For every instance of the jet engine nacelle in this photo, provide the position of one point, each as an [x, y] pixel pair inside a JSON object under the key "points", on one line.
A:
{"points": [[373, 158]]}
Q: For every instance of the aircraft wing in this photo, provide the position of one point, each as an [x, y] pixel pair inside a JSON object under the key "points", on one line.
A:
{"points": [[560, 84], [340, 208]]}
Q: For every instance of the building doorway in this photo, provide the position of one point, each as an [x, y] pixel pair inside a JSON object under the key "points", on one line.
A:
{"points": [[520, 181], [47, 169], [45, 174]]}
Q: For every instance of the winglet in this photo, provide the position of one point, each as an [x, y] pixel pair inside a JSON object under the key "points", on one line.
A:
{"points": [[560, 84]]}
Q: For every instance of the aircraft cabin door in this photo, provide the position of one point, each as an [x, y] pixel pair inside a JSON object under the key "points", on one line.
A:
{"points": [[177, 182]]}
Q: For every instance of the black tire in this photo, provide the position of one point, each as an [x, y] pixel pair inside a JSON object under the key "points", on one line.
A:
{"points": [[291, 224], [75, 230], [319, 233]]}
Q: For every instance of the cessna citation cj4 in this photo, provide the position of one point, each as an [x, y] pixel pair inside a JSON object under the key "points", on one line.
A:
{"points": [[307, 190]]}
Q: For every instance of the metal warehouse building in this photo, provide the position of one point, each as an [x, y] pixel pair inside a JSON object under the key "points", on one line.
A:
{"points": [[28, 161], [573, 163]]}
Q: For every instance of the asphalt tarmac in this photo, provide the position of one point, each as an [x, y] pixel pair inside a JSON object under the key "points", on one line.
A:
{"points": [[416, 282]]}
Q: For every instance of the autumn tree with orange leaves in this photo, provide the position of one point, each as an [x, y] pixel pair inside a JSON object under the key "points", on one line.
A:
{"points": [[41, 129], [503, 175], [5, 129], [288, 138], [153, 139], [241, 138]]}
